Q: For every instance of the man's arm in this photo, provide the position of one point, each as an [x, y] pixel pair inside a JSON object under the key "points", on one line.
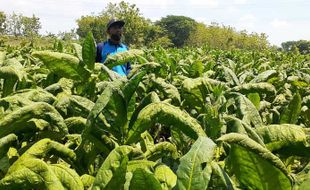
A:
{"points": [[98, 52], [128, 65], [128, 68]]}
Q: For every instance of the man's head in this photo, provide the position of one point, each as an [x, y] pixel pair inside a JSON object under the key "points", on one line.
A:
{"points": [[115, 29]]}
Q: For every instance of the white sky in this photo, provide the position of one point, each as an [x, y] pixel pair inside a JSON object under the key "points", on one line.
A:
{"points": [[281, 20]]}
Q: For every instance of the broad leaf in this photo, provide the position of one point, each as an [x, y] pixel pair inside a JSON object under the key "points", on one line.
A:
{"points": [[64, 65], [122, 57], [143, 180], [5, 143], [113, 165], [78, 50], [255, 167], [89, 51], [195, 170], [167, 115], [13, 122], [260, 88], [286, 139], [291, 113], [255, 99], [67, 176], [247, 112], [165, 176], [168, 90]]}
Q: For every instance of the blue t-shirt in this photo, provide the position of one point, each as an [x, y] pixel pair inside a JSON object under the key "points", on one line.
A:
{"points": [[108, 48]]}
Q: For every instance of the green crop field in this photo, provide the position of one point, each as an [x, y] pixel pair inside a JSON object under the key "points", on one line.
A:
{"points": [[191, 118]]}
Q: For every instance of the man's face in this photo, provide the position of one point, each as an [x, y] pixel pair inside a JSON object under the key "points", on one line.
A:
{"points": [[115, 32]]}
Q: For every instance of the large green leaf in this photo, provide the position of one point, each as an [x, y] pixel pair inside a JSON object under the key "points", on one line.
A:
{"points": [[67, 176], [247, 112], [260, 88], [12, 68], [31, 172], [292, 111], [162, 149], [63, 85], [285, 138], [254, 166], [45, 148], [195, 170], [168, 90], [64, 65], [165, 176], [73, 105], [229, 75], [78, 50], [111, 74], [75, 124], [255, 99], [25, 97], [148, 99], [5, 143], [196, 69], [111, 166], [12, 73], [148, 66], [143, 180], [220, 179], [87, 180], [89, 51], [303, 179], [147, 165], [107, 115], [165, 114], [112, 105], [194, 91], [119, 178], [147, 141], [264, 76], [115, 111], [15, 121], [122, 57], [131, 86], [235, 125], [2, 57]]}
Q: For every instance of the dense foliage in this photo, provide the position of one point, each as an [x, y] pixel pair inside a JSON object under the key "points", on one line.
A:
{"points": [[192, 118], [301, 46]]}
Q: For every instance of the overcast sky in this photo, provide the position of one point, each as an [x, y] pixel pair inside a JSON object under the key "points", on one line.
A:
{"points": [[281, 20]]}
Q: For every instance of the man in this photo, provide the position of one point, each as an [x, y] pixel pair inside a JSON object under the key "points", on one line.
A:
{"points": [[113, 45]]}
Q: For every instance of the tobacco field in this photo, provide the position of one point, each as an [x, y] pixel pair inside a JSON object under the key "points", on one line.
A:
{"points": [[191, 118]]}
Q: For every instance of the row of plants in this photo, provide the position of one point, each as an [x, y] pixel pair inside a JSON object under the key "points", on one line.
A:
{"points": [[191, 118]]}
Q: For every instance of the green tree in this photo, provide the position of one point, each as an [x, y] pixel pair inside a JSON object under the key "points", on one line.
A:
{"points": [[30, 26], [2, 22], [179, 28], [303, 46], [94, 24], [67, 36], [136, 26], [156, 36], [14, 25], [19, 25], [226, 37]]}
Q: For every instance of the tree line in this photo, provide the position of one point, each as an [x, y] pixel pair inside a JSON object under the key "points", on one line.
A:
{"points": [[169, 31], [19, 25]]}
